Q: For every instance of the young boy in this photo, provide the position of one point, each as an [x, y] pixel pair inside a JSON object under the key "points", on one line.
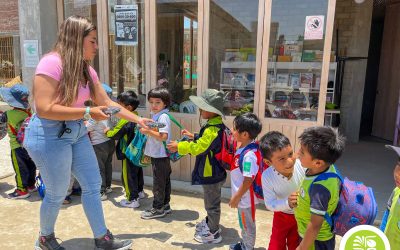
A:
{"points": [[207, 170], [159, 99], [391, 219], [320, 148], [24, 167], [246, 128], [104, 149], [280, 183], [124, 131]]}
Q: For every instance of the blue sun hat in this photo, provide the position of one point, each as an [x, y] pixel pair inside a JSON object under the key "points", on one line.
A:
{"points": [[107, 88], [17, 96]]}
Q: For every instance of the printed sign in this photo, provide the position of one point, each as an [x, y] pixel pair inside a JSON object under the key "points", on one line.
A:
{"points": [[364, 237], [31, 53], [126, 24], [314, 29]]}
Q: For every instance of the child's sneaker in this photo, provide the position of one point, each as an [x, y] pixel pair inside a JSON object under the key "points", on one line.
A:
{"points": [[109, 242], [142, 195], [167, 209], [18, 194], [103, 196], [237, 246], [108, 190], [32, 189], [48, 242], [132, 204], [207, 237], [152, 213]]}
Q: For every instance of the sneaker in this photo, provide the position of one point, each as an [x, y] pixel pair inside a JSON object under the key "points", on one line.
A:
{"points": [[67, 200], [142, 195], [207, 237], [32, 189], [152, 213], [103, 196], [237, 246], [167, 209], [108, 190], [132, 204], [203, 226], [18, 194], [48, 242], [109, 242]]}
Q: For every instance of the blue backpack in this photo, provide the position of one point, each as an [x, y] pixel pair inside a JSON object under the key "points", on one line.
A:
{"points": [[357, 204], [257, 184], [135, 150]]}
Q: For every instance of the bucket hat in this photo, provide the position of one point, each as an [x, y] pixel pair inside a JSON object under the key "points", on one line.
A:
{"points": [[394, 148], [17, 96], [107, 88], [211, 100]]}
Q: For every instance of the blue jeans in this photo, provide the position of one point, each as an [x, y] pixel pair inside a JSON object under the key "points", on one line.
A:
{"points": [[56, 158]]}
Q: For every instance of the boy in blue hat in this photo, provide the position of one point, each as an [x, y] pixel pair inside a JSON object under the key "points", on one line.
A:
{"points": [[24, 167]]}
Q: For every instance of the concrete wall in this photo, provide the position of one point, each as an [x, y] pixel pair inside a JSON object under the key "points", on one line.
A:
{"points": [[37, 21], [8, 17], [354, 24]]}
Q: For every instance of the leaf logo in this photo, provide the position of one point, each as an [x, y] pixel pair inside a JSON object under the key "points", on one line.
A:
{"points": [[364, 243]]}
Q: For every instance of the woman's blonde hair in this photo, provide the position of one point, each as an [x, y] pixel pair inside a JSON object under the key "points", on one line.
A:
{"points": [[75, 70]]}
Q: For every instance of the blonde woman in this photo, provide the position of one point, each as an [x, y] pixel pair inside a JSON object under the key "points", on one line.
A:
{"points": [[56, 137]]}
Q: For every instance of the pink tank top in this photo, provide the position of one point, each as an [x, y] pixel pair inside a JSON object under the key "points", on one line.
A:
{"points": [[51, 65]]}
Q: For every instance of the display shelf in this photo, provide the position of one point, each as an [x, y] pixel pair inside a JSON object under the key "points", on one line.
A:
{"points": [[278, 65]]}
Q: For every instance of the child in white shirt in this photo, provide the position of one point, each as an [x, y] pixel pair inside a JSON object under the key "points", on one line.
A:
{"points": [[246, 128], [280, 183]]}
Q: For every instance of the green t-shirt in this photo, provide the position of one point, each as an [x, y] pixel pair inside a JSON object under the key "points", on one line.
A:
{"points": [[15, 117], [322, 198]]}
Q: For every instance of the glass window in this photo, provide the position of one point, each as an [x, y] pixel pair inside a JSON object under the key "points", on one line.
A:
{"points": [[85, 8], [177, 51], [295, 59], [232, 53], [127, 49]]}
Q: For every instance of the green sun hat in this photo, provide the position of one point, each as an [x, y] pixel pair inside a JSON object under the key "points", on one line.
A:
{"points": [[211, 100]]}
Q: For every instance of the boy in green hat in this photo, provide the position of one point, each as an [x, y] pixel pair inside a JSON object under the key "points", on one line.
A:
{"points": [[207, 171]]}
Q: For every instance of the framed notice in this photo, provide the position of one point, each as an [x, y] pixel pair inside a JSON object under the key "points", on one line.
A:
{"points": [[314, 29], [126, 24]]}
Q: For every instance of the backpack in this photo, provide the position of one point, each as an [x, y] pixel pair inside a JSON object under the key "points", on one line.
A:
{"points": [[135, 150], [41, 188], [228, 147], [357, 205], [20, 133], [256, 186], [174, 156]]}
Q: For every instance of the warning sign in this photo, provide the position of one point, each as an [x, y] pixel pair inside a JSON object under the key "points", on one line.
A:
{"points": [[314, 29]]}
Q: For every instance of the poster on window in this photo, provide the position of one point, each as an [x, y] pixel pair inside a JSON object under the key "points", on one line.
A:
{"points": [[314, 29], [126, 25]]}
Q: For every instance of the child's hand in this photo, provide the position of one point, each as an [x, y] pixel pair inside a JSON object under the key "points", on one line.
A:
{"points": [[292, 199], [172, 146], [144, 131], [106, 130], [187, 133], [234, 202]]}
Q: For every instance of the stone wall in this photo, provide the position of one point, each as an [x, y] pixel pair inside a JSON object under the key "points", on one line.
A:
{"points": [[9, 17]]}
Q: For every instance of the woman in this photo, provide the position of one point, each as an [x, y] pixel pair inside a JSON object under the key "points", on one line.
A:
{"points": [[56, 137]]}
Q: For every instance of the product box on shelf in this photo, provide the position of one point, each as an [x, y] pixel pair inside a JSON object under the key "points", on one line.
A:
{"points": [[233, 55], [306, 80], [316, 82], [295, 80], [248, 54], [284, 58], [308, 56], [292, 48], [282, 80]]}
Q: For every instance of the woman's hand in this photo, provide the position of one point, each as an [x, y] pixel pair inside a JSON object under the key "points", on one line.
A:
{"points": [[143, 122], [97, 114], [144, 131]]}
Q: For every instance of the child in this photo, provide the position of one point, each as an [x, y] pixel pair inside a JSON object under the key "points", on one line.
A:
{"points": [[124, 131], [320, 148], [24, 167], [246, 128], [391, 219], [207, 171], [104, 149], [159, 99], [280, 183]]}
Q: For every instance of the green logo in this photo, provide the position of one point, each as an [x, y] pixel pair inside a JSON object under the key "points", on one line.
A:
{"points": [[364, 237], [247, 167]]}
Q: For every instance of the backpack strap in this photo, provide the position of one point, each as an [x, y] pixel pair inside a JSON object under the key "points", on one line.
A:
{"points": [[13, 130], [322, 177], [246, 149], [176, 123]]}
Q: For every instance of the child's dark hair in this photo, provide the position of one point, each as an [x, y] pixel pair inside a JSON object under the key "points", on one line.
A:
{"points": [[162, 93], [272, 142], [323, 143], [248, 122], [129, 98]]}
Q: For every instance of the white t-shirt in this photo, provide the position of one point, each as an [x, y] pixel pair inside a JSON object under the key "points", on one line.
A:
{"points": [[277, 188], [96, 131], [155, 148], [250, 169]]}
